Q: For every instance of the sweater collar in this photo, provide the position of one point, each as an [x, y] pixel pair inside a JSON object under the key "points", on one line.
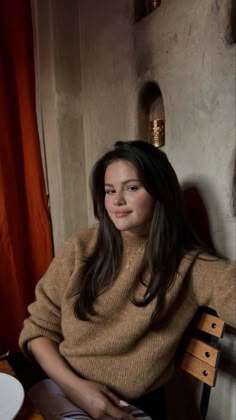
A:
{"points": [[133, 241]]}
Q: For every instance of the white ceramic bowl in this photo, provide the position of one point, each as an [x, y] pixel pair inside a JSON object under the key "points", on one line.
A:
{"points": [[11, 396]]}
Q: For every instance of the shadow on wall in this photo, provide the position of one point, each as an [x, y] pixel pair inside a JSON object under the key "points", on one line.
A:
{"points": [[231, 35], [198, 215], [196, 205]]}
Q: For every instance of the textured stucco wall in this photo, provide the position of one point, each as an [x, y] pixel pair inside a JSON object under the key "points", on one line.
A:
{"points": [[183, 47], [108, 76], [87, 86]]}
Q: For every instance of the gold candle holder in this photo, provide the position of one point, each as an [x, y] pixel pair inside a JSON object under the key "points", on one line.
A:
{"points": [[157, 132]]}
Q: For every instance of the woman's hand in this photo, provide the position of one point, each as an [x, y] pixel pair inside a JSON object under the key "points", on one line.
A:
{"points": [[98, 401], [95, 399]]}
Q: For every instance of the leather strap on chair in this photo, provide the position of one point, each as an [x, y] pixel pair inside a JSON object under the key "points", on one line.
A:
{"points": [[199, 369], [203, 351], [211, 324]]}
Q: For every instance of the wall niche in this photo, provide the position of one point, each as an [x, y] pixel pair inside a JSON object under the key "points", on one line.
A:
{"points": [[151, 114], [142, 8]]}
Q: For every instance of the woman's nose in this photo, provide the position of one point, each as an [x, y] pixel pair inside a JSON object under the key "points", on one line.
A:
{"points": [[119, 200]]}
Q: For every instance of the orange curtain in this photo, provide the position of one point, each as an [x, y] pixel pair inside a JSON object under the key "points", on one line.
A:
{"points": [[25, 234]]}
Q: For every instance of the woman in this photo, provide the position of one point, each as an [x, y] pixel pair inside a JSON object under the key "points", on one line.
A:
{"points": [[112, 307]]}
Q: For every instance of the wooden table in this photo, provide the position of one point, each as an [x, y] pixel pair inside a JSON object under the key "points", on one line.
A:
{"points": [[28, 411]]}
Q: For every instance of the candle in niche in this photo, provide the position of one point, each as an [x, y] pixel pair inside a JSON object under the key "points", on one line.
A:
{"points": [[157, 123], [157, 132]]}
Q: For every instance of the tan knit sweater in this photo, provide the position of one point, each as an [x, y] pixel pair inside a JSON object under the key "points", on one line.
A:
{"points": [[117, 347]]}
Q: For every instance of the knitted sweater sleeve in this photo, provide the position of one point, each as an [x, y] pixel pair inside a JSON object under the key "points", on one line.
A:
{"points": [[45, 312], [214, 285]]}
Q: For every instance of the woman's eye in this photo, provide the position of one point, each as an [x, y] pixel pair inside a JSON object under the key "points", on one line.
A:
{"points": [[132, 188], [109, 192]]}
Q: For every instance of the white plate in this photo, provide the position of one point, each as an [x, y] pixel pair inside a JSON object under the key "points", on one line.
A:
{"points": [[11, 396]]}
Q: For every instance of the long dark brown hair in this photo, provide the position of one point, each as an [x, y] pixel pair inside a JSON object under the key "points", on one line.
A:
{"points": [[169, 239]]}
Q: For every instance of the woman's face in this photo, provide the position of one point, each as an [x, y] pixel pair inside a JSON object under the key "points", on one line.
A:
{"points": [[128, 204]]}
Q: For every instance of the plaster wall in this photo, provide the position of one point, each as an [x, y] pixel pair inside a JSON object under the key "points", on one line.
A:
{"points": [[86, 80], [108, 77], [184, 48]]}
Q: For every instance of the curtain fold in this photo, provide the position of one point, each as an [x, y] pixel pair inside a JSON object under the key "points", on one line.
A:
{"points": [[25, 233]]}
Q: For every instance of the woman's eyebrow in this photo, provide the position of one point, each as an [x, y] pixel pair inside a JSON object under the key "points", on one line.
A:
{"points": [[123, 183], [130, 180]]}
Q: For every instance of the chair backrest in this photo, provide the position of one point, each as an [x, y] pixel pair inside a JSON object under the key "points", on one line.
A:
{"points": [[200, 354]]}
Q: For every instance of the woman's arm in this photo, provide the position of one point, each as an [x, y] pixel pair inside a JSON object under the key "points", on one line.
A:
{"points": [[214, 285], [93, 398], [47, 354], [45, 312]]}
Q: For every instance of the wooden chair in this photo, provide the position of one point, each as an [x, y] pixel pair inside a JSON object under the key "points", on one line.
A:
{"points": [[200, 354]]}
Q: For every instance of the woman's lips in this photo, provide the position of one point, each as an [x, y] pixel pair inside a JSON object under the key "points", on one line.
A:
{"points": [[119, 214]]}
